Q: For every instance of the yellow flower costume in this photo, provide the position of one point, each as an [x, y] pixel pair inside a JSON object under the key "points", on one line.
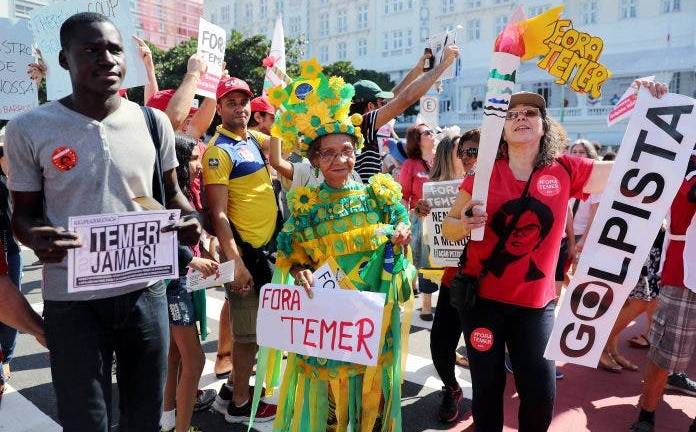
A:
{"points": [[353, 226]]}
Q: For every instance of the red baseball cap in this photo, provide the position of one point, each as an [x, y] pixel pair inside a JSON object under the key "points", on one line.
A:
{"points": [[160, 100], [261, 104], [233, 84]]}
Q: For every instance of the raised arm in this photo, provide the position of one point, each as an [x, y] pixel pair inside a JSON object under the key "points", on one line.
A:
{"points": [[275, 157], [180, 104], [151, 87], [416, 89], [414, 73]]}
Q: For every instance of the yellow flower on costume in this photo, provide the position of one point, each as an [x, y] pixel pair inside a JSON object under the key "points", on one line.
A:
{"points": [[287, 119], [302, 199], [336, 83], [385, 188], [310, 69], [277, 95], [320, 111], [342, 113]]}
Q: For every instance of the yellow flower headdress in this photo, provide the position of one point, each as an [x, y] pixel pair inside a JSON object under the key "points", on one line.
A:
{"points": [[313, 105]]}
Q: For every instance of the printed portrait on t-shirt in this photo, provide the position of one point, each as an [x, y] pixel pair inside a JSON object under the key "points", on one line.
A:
{"points": [[526, 236]]}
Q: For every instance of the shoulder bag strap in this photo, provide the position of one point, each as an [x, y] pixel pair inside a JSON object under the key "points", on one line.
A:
{"points": [[158, 176]]}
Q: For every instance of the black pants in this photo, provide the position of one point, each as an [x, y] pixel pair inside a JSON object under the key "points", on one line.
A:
{"points": [[444, 337], [526, 332]]}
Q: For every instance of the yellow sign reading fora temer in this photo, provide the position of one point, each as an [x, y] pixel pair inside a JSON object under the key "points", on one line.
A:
{"points": [[576, 54]]}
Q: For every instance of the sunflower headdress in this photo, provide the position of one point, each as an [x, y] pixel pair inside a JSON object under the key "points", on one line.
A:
{"points": [[313, 105]]}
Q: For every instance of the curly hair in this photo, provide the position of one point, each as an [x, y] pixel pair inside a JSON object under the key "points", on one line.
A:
{"points": [[184, 149], [551, 144]]}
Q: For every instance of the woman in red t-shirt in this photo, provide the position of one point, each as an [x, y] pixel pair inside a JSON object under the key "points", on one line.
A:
{"points": [[420, 149], [516, 298]]}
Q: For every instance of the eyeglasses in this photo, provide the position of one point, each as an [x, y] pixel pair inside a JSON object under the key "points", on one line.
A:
{"points": [[471, 152], [331, 156], [428, 132], [528, 113]]}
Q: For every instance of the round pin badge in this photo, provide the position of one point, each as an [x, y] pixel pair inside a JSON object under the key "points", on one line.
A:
{"points": [[481, 339], [64, 158]]}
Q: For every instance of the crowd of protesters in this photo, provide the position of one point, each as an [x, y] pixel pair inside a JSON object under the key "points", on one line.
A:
{"points": [[153, 331]]}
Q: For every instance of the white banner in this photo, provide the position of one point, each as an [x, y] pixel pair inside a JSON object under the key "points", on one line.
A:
{"points": [[440, 197], [276, 75], [196, 281], [121, 249], [289, 320], [45, 24], [18, 92], [501, 81], [647, 174], [212, 41]]}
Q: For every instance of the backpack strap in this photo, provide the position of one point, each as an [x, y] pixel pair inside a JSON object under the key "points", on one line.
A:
{"points": [[158, 175]]}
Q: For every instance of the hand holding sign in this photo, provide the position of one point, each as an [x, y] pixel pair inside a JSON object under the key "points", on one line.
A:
{"points": [[211, 51], [305, 279], [51, 244], [188, 228]]}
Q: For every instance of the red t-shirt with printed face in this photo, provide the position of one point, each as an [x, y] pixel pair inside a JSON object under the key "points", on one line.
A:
{"points": [[681, 213], [523, 273]]}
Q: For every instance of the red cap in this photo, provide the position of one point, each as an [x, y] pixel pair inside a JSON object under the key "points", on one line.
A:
{"points": [[160, 100], [261, 104], [233, 84]]}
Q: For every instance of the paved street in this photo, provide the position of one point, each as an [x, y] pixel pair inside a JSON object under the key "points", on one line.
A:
{"points": [[587, 399]]}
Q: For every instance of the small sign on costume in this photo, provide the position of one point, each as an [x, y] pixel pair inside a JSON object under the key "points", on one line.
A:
{"points": [[440, 197], [45, 23], [18, 92], [646, 176], [212, 41], [329, 275], [289, 320], [196, 281], [122, 249]]}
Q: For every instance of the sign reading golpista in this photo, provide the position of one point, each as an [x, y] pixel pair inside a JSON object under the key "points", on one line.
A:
{"points": [[649, 169]]}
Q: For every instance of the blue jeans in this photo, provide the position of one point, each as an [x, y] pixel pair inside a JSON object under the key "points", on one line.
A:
{"points": [[82, 337], [8, 335], [525, 331]]}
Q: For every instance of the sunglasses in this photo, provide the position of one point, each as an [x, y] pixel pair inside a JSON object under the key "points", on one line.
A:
{"points": [[428, 132], [528, 113], [471, 152]]}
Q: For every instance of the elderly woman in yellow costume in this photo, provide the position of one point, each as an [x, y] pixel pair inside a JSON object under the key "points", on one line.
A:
{"points": [[362, 228]]}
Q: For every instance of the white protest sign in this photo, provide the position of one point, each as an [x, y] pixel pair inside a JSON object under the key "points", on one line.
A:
{"points": [[45, 24], [647, 174], [324, 277], [196, 281], [289, 320], [437, 44], [18, 92], [624, 107], [212, 40], [121, 249], [440, 197], [429, 112]]}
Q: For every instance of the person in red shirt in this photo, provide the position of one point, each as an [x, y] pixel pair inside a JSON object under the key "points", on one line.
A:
{"points": [[516, 294], [673, 330], [420, 148]]}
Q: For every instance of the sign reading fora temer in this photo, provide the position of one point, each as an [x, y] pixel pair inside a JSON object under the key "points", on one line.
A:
{"points": [[573, 52]]}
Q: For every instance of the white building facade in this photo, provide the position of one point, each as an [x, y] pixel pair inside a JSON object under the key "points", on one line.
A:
{"points": [[642, 37], [20, 8]]}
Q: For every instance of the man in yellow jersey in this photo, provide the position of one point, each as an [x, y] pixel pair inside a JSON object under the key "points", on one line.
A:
{"points": [[244, 214]]}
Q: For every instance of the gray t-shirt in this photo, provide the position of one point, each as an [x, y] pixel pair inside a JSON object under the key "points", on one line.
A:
{"points": [[115, 163]]}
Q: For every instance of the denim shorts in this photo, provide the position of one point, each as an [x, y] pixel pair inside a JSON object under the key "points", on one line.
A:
{"points": [[180, 303]]}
